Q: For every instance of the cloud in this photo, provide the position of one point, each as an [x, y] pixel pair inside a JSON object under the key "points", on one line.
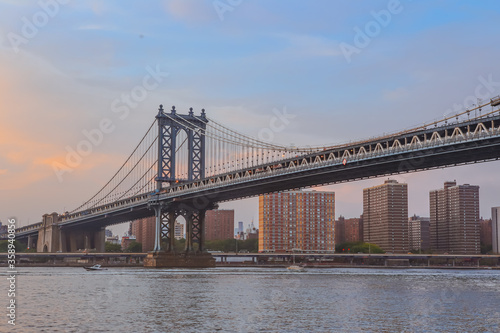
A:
{"points": [[309, 45], [22, 155], [95, 27], [98, 7], [14, 2], [192, 11], [396, 94]]}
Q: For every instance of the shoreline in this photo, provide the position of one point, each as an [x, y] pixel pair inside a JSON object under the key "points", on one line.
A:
{"points": [[236, 265]]}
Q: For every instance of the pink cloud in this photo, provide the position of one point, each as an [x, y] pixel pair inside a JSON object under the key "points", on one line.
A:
{"points": [[190, 10]]}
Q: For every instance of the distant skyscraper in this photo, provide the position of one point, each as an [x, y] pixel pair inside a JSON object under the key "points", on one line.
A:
{"points": [[418, 233], [454, 224], [297, 220], [385, 216], [485, 232], [240, 227], [219, 224], [178, 230], [339, 230], [495, 228]]}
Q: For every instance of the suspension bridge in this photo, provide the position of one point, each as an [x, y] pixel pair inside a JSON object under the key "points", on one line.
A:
{"points": [[185, 164]]}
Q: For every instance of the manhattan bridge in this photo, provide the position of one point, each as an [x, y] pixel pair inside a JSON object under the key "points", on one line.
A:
{"points": [[185, 164]]}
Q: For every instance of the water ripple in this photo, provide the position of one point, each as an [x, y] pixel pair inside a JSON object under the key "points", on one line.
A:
{"points": [[256, 300]]}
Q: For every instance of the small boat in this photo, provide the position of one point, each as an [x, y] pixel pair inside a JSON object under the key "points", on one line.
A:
{"points": [[296, 268], [96, 267]]}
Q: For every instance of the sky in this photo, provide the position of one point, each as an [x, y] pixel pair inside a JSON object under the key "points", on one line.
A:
{"points": [[345, 70]]}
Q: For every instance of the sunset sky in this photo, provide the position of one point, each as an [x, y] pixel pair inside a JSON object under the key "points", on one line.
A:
{"points": [[345, 69]]}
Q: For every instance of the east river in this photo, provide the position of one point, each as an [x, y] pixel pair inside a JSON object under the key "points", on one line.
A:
{"points": [[253, 300]]}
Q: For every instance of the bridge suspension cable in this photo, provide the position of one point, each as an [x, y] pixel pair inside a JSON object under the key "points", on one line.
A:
{"points": [[228, 150], [134, 176]]}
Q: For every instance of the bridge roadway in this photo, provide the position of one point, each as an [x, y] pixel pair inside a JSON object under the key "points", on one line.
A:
{"points": [[450, 145], [472, 141]]}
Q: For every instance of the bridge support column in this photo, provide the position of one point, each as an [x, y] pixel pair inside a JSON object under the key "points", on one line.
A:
{"points": [[189, 232], [87, 238], [100, 240], [170, 227], [73, 246], [157, 246], [63, 246], [165, 228]]}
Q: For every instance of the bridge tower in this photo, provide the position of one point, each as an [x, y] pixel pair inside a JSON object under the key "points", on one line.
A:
{"points": [[169, 126]]}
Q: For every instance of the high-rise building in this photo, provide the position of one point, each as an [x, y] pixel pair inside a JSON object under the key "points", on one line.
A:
{"points": [[301, 220], [178, 230], [495, 229], [485, 232], [454, 224], [339, 228], [348, 230], [418, 233], [219, 224], [385, 216], [240, 227], [354, 229], [144, 232]]}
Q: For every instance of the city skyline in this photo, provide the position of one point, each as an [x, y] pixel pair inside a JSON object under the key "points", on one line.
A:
{"points": [[313, 85]]}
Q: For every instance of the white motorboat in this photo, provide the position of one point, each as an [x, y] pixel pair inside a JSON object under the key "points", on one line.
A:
{"points": [[296, 268], [96, 267]]}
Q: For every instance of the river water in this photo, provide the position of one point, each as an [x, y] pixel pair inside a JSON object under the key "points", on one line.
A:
{"points": [[70, 299]]}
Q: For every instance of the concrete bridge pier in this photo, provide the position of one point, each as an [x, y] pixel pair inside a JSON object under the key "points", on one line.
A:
{"points": [[49, 234], [32, 242], [75, 239], [54, 238]]}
